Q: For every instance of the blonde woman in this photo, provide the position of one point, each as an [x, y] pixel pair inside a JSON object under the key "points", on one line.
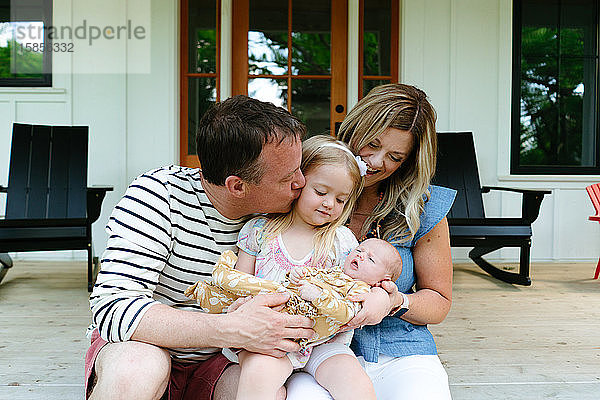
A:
{"points": [[311, 234], [393, 130]]}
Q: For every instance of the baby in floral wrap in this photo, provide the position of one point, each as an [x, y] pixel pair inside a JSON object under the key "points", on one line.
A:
{"points": [[322, 294], [302, 252]]}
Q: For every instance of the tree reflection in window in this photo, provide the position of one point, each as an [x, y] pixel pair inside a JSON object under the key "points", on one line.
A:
{"points": [[558, 90]]}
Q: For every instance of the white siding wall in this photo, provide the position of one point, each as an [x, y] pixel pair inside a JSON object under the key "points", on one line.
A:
{"points": [[458, 51], [132, 117]]}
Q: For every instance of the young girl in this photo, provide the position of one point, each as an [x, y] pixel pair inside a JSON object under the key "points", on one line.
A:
{"points": [[312, 234]]}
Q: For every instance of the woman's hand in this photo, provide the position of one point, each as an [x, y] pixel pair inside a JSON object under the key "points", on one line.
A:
{"points": [[376, 305]]}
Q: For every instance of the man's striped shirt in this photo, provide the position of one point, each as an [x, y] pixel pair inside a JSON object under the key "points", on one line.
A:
{"points": [[164, 235]]}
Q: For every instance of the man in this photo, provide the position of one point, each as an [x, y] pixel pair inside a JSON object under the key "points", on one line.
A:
{"points": [[166, 233]]}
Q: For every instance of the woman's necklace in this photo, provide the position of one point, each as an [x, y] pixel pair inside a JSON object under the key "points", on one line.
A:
{"points": [[374, 232]]}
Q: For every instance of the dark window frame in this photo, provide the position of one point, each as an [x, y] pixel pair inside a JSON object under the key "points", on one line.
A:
{"points": [[515, 146], [46, 79]]}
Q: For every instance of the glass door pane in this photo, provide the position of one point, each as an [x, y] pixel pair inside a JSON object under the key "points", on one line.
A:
{"points": [[202, 93], [268, 38], [378, 44], [200, 67], [301, 83], [311, 104], [311, 37], [202, 44]]}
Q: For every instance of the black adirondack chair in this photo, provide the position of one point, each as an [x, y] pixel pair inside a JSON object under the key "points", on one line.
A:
{"points": [[469, 227], [48, 204]]}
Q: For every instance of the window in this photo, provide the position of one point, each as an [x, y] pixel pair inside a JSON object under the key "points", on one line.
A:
{"points": [[555, 87], [23, 61], [555, 126], [200, 33], [293, 54], [378, 44]]}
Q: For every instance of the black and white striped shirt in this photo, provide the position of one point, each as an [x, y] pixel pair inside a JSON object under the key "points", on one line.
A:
{"points": [[164, 235]]}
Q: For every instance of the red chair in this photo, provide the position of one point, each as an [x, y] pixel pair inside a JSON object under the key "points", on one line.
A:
{"points": [[594, 192]]}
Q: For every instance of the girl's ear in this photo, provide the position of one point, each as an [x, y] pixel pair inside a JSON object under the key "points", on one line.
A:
{"points": [[236, 186]]}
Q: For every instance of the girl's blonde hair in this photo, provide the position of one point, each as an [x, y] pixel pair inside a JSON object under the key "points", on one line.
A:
{"points": [[318, 151], [406, 108]]}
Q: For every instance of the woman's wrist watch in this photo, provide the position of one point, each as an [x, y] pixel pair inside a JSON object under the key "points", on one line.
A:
{"points": [[402, 308]]}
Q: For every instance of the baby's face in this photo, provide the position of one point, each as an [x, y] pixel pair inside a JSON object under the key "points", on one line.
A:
{"points": [[367, 263]]}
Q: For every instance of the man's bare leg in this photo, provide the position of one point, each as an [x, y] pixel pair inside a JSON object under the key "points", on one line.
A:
{"points": [[131, 370], [262, 377]]}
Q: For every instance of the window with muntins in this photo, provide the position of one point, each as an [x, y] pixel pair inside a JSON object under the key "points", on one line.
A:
{"points": [[555, 124], [200, 65], [25, 59]]}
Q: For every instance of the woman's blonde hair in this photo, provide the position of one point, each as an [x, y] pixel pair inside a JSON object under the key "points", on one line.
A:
{"points": [[406, 108], [318, 151]]}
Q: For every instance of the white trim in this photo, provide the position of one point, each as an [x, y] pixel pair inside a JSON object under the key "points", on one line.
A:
{"points": [[401, 35], [226, 48], [353, 56], [550, 178], [555, 247], [175, 78], [504, 87], [453, 69], [32, 90]]}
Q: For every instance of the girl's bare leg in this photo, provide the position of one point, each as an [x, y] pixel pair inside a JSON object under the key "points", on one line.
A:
{"points": [[262, 376], [344, 378]]}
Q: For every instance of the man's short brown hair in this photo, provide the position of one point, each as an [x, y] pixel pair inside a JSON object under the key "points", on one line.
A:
{"points": [[232, 133]]}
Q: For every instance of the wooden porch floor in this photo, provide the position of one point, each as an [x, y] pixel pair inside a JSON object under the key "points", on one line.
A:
{"points": [[498, 342]]}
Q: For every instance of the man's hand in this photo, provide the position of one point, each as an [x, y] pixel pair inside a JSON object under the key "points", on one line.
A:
{"points": [[238, 303], [259, 327]]}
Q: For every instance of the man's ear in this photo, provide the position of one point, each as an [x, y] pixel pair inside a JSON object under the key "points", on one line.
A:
{"points": [[236, 186]]}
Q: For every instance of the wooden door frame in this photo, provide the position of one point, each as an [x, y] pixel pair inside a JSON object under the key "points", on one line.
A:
{"points": [[239, 81], [339, 55], [191, 160]]}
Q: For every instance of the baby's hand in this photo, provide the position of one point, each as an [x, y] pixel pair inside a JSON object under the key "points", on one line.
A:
{"points": [[297, 274], [308, 291]]}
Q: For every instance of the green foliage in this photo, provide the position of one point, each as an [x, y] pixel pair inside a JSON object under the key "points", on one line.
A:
{"points": [[206, 52], [551, 101], [24, 63], [372, 64], [311, 55]]}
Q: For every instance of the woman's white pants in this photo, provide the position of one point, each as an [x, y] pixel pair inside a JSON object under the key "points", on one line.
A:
{"points": [[412, 377]]}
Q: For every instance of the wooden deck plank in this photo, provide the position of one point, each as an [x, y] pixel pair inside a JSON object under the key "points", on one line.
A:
{"points": [[45, 392], [498, 342], [508, 342]]}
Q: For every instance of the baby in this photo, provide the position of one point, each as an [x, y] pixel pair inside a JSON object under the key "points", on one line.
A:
{"points": [[372, 262], [322, 294]]}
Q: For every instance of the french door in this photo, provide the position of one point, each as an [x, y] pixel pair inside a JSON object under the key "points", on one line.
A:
{"points": [[293, 53]]}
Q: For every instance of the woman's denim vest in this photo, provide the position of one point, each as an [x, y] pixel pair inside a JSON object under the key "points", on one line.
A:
{"points": [[394, 336]]}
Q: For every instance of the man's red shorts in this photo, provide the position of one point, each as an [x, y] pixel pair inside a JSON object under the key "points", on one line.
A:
{"points": [[188, 380]]}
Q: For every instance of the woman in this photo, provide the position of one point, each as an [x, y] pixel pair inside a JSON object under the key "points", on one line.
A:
{"points": [[393, 130]]}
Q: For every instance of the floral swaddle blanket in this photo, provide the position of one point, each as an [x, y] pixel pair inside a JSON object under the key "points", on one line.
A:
{"points": [[330, 310]]}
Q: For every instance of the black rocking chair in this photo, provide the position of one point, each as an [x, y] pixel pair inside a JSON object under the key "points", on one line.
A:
{"points": [[469, 227], [48, 204]]}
